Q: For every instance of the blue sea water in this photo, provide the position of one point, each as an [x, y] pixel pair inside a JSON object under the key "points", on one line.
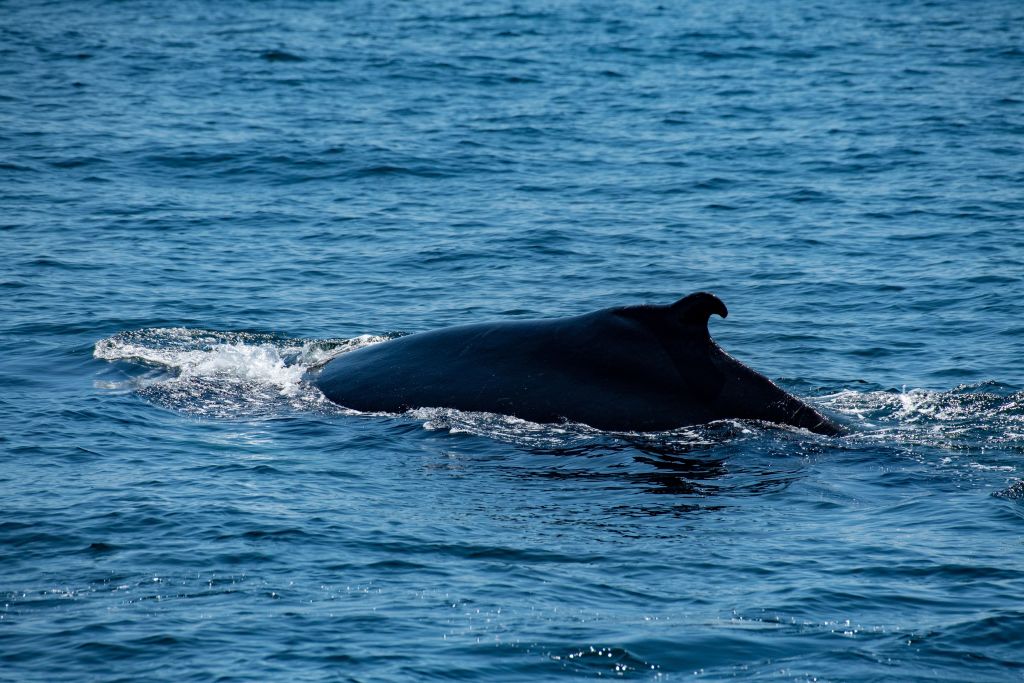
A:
{"points": [[199, 200]]}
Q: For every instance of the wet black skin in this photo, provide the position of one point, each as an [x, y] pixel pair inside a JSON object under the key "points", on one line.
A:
{"points": [[635, 368]]}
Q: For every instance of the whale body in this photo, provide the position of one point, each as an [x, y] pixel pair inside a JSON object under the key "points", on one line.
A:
{"points": [[635, 368]]}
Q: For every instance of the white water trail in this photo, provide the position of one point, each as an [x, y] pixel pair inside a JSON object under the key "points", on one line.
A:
{"points": [[223, 374]]}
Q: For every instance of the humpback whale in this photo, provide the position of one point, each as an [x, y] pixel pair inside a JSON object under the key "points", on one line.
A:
{"points": [[633, 368]]}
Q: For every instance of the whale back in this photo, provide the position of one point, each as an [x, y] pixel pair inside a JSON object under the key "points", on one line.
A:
{"points": [[729, 388], [636, 368]]}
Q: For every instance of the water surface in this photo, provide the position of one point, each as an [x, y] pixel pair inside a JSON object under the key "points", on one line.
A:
{"points": [[202, 199]]}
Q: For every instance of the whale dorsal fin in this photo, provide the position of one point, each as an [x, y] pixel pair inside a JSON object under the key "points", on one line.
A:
{"points": [[697, 308]]}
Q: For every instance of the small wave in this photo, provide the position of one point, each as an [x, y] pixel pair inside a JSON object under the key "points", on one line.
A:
{"points": [[223, 374], [503, 427], [610, 660], [1014, 491], [988, 413], [578, 437], [281, 56]]}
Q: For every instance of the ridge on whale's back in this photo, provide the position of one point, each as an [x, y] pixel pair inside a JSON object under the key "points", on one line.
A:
{"points": [[638, 368]]}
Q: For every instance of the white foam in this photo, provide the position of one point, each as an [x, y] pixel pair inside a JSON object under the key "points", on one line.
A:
{"points": [[206, 372], [951, 418]]}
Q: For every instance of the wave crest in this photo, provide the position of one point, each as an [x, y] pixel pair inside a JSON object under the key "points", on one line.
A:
{"points": [[223, 374]]}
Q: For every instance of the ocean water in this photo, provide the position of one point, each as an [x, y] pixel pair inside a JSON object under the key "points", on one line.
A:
{"points": [[200, 200]]}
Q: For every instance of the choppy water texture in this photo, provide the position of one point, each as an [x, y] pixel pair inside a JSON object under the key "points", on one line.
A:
{"points": [[200, 200]]}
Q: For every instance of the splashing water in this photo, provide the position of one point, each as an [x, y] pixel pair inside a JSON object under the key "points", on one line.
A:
{"points": [[955, 419], [224, 374]]}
